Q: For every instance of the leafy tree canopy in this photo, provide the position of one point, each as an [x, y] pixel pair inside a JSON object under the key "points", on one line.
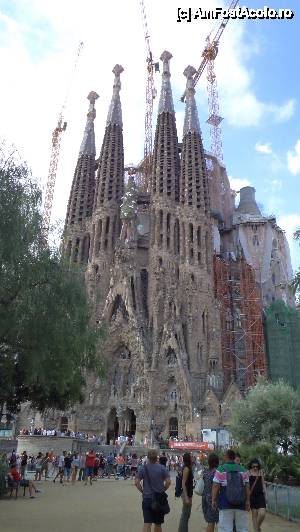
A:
{"points": [[270, 413], [47, 342]]}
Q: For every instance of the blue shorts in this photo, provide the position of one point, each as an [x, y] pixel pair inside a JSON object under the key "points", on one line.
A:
{"points": [[89, 471], [149, 515]]}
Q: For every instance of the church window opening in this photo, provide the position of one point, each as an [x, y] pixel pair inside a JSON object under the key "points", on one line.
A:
{"points": [[133, 292], [144, 289], [199, 353], [171, 357], [176, 237], [191, 233], [203, 322], [124, 353], [76, 249], [173, 395], [199, 237], [213, 364], [173, 427]]}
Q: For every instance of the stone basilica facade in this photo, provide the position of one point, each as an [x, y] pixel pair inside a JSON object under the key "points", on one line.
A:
{"points": [[148, 259]]}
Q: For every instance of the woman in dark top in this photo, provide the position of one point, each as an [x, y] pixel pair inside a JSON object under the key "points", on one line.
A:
{"points": [[257, 494], [211, 516], [187, 492]]}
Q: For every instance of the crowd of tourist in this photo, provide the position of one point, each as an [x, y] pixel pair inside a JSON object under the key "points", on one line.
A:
{"points": [[228, 491], [99, 440]]}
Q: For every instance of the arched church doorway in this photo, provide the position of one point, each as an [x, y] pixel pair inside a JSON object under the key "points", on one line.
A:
{"points": [[130, 422], [173, 427], [112, 426], [64, 424]]}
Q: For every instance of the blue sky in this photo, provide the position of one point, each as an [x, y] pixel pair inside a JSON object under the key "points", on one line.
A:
{"points": [[258, 78]]}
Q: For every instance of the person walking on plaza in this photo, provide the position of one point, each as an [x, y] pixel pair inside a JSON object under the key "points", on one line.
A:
{"points": [[68, 466], [120, 466], [211, 516], [187, 492], [75, 467], [38, 466], [24, 460], [61, 468], [81, 467], [45, 466], [231, 494], [155, 480], [89, 467], [257, 494]]}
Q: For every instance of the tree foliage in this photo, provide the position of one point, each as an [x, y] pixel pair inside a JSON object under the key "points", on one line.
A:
{"points": [[46, 339], [269, 413]]}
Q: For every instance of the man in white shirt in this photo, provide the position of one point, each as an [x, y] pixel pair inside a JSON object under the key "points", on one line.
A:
{"points": [[61, 467]]}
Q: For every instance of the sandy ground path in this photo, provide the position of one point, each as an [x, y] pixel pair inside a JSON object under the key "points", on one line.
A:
{"points": [[106, 506]]}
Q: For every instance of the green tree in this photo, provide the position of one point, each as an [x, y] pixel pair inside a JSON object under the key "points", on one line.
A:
{"points": [[47, 342], [269, 413]]}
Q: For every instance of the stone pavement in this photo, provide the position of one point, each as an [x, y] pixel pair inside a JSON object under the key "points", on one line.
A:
{"points": [[106, 506]]}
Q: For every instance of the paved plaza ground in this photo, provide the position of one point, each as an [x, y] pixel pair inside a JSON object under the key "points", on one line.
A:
{"points": [[106, 506]]}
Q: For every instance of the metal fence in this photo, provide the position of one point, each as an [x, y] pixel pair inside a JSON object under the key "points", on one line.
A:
{"points": [[284, 501]]}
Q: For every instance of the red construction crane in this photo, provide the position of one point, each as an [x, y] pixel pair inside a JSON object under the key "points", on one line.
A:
{"points": [[209, 55], [56, 140]]}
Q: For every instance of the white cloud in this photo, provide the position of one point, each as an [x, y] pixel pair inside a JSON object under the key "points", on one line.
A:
{"points": [[237, 184], [284, 112], [264, 148], [293, 159]]}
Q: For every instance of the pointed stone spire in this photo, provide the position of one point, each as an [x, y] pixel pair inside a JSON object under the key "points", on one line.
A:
{"points": [[115, 111], [88, 142], [191, 120], [166, 99], [81, 198], [193, 178], [166, 164], [110, 176]]}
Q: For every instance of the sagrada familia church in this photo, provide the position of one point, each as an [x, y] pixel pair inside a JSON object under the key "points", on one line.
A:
{"points": [[179, 275]]}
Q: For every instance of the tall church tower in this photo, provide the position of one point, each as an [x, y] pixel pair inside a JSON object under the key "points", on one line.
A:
{"points": [[80, 205], [200, 316], [109, 190]]}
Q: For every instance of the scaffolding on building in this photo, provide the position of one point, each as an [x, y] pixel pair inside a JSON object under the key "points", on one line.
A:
{"points": [[243, 350]]}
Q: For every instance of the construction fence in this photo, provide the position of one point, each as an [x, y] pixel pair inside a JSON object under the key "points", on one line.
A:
{"points": [[284, 501]]}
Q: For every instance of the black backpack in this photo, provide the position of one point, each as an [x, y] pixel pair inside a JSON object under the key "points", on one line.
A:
{"points": [[235, 489], [178, 485]]}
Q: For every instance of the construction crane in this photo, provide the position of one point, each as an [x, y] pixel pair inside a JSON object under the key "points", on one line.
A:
{"points": [[56, 141], [144, 168], [209, 55]]}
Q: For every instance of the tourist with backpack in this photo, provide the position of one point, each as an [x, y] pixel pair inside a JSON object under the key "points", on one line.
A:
{"points": [[231, 495], [153, 480]]}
